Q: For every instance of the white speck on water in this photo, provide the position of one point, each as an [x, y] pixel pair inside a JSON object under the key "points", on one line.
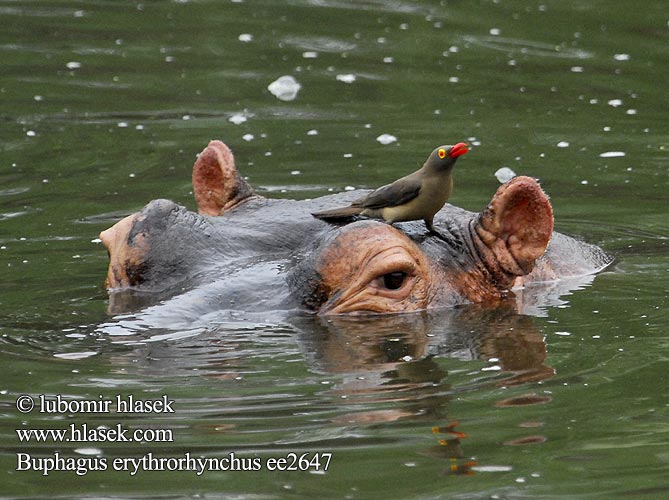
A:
{"points": [[453, 79], [78, 13], [310, 54], [563, 144], [38, 98], [404, 26], [607, 129], [577, 69], [284, 88], [512, 62], [248, 137], [381, 39], [386, 139], [348, 155], [312, 132], [139, 127], [349, 188], [493, 368], [504, 174], [388, 60], [170, 59], [76, 355], [237, 119], [454, 49], [122, 124], [31, 133], [593, 101], [612, 154], [564, 334], [410, 464], [492, 468], [631, 112], [88, 451], [621, 57], [295, 172], [520, 480], [73, 65], [131, 175], [245, 37], [268, 153], [495, 31], [186, 117], [615, 102], [347, 78], [493, 360], [584, 182]]}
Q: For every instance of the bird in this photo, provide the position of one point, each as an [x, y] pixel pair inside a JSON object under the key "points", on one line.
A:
{"points": [[419, 195]]}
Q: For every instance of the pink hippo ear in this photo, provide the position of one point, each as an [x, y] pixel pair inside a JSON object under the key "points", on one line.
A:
{"points": [[515, 228], [217, 184]]}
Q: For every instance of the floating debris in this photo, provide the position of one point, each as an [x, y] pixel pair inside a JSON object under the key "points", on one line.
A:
{"points": [[284, 88], [386, 139], [563, 144], [76, 355], [245, 37], [237, 119], [505, 174], [347, 78], [612, 154]]}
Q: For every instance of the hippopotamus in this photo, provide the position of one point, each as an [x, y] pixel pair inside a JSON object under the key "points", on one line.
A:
{"points": [[245, 252]]}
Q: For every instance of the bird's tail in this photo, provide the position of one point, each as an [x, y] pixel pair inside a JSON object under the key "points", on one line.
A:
{"points": [[338, 214]]}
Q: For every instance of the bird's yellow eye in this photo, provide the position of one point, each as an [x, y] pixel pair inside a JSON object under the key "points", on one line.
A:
{"points": [[442, 153]]}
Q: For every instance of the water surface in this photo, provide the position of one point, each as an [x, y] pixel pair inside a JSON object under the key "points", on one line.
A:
{"points": [[106, 104]]}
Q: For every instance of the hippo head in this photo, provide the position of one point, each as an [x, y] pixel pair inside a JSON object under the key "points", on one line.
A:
{"points": [[272, 254]]}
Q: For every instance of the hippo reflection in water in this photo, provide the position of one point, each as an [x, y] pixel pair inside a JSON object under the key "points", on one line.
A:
{"points": [[245, 252]]}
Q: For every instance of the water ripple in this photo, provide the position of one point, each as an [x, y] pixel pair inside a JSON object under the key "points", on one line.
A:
{"points": [[528, 47]]}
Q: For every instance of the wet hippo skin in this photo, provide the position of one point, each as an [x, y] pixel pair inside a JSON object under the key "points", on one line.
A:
{"points": [[267, 254]]}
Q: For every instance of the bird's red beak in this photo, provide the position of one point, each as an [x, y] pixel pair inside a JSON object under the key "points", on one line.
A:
{"points": [[458, 150]]}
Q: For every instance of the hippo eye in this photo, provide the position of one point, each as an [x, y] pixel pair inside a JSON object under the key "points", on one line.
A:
{"points": [[394, 281], [442, 153]]}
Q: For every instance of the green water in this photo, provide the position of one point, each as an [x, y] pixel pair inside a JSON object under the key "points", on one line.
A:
{"points": [[103, 107]]}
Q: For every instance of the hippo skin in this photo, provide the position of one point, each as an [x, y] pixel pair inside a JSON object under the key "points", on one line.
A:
{"points": [[245, 252]]}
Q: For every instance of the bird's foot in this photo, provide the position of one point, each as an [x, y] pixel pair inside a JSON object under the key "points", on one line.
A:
{"points": [[448, 238]]}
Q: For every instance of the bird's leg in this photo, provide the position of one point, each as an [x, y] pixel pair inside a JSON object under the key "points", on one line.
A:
{"points": [[450, 239]]}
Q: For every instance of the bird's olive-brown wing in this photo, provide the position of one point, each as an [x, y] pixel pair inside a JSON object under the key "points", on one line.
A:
{"points": [[391, 195]]}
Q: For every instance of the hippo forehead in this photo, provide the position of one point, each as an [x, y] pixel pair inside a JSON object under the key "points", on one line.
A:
{"points": [[369, 267]]}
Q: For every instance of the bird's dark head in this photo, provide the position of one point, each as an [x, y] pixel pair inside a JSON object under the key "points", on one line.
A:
{"points": [[445, 156]]}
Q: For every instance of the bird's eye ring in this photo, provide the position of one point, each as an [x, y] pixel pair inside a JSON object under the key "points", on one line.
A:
{"points": [[442, 153]]}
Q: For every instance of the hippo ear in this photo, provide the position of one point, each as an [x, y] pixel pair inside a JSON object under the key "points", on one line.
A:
{"points": [[515, 228], [217, 185]]}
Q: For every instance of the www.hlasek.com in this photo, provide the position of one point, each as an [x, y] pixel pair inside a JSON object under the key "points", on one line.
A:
{"points": [[317, 462]]}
